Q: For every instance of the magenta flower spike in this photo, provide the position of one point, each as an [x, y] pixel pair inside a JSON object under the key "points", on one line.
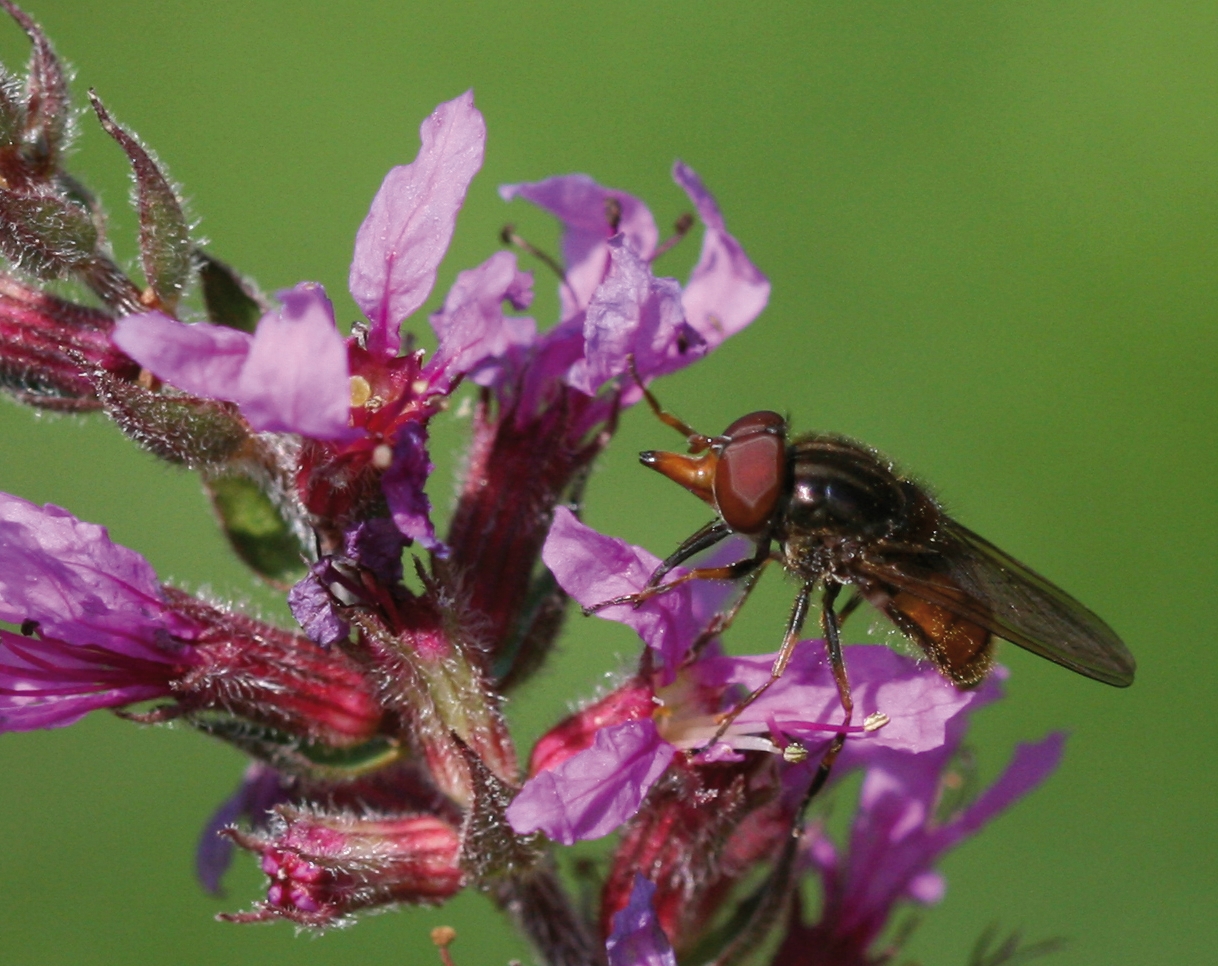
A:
{"points": [[382, 768]]}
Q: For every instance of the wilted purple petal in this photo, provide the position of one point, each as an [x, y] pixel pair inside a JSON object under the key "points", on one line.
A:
{"points": [[593, 792], [403, 485], [581, 204], [69, 577], [633, 313], [202, 359], [593, 568], [312, 605], [49, 683], [725, 290], [471, 327], [296, 379], [401, 242], [261, 789], [637, 939], [376, 545]]}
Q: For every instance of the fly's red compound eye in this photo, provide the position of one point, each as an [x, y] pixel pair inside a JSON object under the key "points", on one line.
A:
{"points": [[750, 473]]}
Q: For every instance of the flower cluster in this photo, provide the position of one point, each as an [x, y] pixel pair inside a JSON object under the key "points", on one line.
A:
{"points": [[382, 769]]}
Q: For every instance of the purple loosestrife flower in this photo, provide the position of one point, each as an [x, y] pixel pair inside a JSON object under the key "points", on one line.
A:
{"points": [[592, 790], [895, 840]]}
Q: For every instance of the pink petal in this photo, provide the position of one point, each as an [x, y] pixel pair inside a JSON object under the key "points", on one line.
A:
{"points": [[725, 291], [580, 204], [296, 379], [593, 792], [471, 327], [202, 359], [593, 568], [402, 241]]}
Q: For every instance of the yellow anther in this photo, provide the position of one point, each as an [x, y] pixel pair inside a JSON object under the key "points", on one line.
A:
{"points": [[876, 721], [361, 392]]}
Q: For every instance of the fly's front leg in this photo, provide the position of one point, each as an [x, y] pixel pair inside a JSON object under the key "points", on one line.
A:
{"points": [[724, 619]]}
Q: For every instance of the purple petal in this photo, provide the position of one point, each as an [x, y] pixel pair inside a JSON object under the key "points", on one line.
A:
{"points": [[78, 585], [633, 313], [376, 545], [580, 203], [637, 939], [403, 485], [49, 683], [593, 792], [725, 291], [202, 359], [402, 241], [471, 327], [312, 605], [261, 789], [296, 379], [921, 705], [594, 568]]}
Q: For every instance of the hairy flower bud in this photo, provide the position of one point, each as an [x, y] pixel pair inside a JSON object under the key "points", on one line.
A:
{"points": [[324, 867]]}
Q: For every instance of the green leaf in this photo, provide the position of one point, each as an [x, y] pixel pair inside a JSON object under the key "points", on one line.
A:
{"points": [[261, 535], [230, 300]]}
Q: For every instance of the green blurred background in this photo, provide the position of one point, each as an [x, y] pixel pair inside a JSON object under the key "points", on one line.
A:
{"points": [[992, 232]]}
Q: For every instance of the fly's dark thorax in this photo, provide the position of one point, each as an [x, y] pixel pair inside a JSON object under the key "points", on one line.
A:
{"points": [[842, 499]]}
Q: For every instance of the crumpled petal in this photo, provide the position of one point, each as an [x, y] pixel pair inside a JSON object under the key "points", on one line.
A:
{"points": [[403, 485], [593, 568], [376, 544], [471, 327], [593, 792], [633, 313], [637, 939], [261, 789], [726, 291], [401, 242], [296, 379], [581, 204], [312, 605], [200, 358], [78, 585]]}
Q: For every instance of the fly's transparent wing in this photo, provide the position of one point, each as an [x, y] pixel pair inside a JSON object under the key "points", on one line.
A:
{"points": [[970, 577]]}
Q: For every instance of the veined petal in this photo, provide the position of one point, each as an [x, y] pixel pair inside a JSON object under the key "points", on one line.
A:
{"points": [[76, 583], [726, 291], [582, 206], [593, 792], [201, 358], [49, 683], [296, 378], [401, 242], [593, 568]]}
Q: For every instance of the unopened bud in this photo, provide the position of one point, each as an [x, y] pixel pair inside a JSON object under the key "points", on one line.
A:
{"points": [[322, 868]]}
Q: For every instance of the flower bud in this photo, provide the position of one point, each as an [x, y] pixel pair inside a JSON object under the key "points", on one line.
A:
{"points": [[323, 868]]}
